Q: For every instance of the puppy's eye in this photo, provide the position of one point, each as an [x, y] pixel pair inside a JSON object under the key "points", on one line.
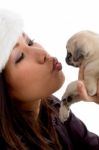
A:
{"points": [[64, 99], [69, 99], [19, 58], [69, 55]]}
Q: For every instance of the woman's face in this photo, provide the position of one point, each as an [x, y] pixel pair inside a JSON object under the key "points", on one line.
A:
{"points": [[31, 73]]}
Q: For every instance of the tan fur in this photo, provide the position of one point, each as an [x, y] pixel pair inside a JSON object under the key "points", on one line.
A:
{"points": [[82, 48]]}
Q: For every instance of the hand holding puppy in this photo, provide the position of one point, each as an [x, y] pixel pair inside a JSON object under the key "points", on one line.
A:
{"points": [[82, 89], [82, 52]]}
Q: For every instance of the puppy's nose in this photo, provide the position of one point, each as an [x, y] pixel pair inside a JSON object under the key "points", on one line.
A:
{"points": [[69, 55], [69, 99], [64, 101], [68, 58]]}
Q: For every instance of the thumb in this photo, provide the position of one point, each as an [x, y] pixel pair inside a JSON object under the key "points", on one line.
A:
{"points": [[82, 91]]}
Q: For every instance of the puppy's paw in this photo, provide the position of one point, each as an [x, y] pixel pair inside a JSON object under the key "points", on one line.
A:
{"points": [[71, 94], [91, 92], [91, 85], [63, 113]]}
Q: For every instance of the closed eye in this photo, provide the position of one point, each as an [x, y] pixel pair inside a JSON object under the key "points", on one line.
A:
{"points": [[19, 58]]}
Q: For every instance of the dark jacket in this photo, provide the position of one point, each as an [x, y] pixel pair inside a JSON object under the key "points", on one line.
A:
{"points": [[73, 134]]}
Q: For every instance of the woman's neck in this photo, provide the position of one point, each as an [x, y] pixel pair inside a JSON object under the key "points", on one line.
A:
{"points": [[32, 108]]}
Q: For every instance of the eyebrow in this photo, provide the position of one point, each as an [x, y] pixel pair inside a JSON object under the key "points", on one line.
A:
{"points": [[17, 44]]}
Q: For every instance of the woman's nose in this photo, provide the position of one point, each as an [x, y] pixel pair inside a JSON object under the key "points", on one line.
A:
{"points": [[41, 56]]}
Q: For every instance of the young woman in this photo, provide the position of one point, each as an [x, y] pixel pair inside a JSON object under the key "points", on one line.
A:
{"points": [[28, 110]]}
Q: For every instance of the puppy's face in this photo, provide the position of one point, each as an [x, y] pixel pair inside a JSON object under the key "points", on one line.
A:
{"points": [[79, 47]]}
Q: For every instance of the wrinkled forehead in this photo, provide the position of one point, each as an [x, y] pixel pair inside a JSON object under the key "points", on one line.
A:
{"points": [[76, 41], [71, 44]]}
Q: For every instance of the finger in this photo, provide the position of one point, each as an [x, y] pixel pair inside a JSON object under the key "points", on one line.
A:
{"points": [[81, 73], [98, 89], [82, 91], [84, 95]]}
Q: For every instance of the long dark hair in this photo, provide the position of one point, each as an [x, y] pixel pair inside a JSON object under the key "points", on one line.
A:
{"points": [[18, 130]]}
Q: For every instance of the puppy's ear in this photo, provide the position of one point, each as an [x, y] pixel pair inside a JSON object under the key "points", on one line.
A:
{"points": [[78, 54]]}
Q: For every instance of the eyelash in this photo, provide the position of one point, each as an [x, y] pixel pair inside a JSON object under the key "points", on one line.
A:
{"points": [[30, 42], [20, 58]]}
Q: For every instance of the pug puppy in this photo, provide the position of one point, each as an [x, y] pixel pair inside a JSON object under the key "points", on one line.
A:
{"points": [[82, 49]]}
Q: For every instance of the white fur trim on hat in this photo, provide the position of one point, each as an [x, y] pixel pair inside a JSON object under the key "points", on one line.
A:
{"points": [[11, 27]]}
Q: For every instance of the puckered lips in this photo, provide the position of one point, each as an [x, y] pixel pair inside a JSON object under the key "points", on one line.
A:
{"points": [[56, 65]]}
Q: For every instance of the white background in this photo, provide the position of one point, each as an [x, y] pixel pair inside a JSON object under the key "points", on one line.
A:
{"points": [[52, 22]]}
